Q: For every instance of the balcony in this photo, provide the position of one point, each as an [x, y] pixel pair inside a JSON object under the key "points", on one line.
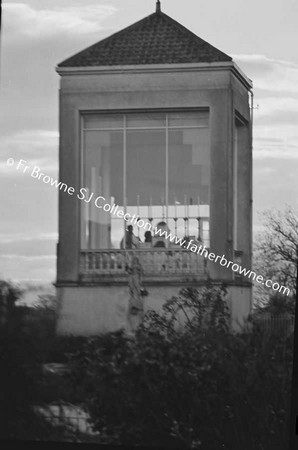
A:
{"points": [[175, 264]]}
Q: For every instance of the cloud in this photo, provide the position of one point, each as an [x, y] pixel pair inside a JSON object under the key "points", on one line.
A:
{"points": [[20, 19], [31, 140], [30, 246], [275, 140], [268, 74], [6, 238], [37, 147], [30, 258], [29, 206], [275, 182], [272, 105], [276, 154], [276, 106], [25, 268]]}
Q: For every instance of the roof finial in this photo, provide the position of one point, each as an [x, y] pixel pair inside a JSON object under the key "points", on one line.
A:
{"points": [[158, 6]]}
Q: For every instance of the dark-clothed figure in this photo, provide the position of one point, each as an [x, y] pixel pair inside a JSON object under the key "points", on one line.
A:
{"points": [[131, 241]]}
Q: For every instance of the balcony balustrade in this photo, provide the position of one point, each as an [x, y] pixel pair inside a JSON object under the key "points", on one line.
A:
{"points": [[171, 264], [174, 264]]}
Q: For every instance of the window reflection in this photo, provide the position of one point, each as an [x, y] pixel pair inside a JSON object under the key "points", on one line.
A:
{"points": [[155, 166]]}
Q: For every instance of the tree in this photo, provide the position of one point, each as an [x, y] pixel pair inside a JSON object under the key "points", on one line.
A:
{"points": [[9, 294], [276, 253], [197, 386]]}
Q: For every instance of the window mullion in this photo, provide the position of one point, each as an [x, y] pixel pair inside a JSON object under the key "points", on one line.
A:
{"points": [[167, 169], [124, 177]]}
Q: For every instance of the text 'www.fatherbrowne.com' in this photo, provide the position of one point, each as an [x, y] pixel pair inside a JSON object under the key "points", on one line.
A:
{"points": [[100, 202]]}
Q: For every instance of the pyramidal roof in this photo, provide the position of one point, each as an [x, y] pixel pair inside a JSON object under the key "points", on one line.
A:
{"points": [[156, 39]]}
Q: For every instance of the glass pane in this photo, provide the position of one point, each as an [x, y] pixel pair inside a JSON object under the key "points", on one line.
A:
{"points": [[188, 174], [148, 120], [100, 121], [205, 233], [189, 177], [117, 230], [103, 176], [189, 119], [146, 158]]}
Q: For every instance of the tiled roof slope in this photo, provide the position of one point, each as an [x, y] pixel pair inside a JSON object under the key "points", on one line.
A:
{"points": [[156, 39]]}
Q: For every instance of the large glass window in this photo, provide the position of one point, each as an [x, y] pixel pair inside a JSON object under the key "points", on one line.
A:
{"points": [[153, 165]]}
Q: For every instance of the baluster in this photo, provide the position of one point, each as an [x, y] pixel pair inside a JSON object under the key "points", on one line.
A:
{"points": [[175, 261], [143, 260], [115, 266], [151, 261], [82, 263], [195, 264], [156, 263], [170, 262], [122, 259], [108, 261], [111, 261], [104, 262], [160, 258], [198, 266], [100, 261], [188, 267], [117, 261], [185, 263], [165, 262], [191, 262]]}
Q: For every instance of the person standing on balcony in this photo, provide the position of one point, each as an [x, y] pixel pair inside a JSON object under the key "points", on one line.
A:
{"points": [[160, 241], [131, 241], [148, 237]]}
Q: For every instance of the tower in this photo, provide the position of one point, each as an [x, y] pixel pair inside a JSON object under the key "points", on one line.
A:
{"points": [[155, 123]]}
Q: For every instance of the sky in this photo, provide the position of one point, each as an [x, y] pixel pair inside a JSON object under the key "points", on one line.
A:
{"points": [[36, 35]]}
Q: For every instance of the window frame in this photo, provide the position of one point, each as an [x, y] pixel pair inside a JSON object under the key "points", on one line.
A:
{"points": [[124, 128]]}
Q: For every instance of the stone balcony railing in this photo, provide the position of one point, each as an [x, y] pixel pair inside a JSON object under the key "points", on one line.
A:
{"points": [[169, 264]]}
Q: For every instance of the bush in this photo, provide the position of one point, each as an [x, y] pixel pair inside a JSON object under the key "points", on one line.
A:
{"points": [[27, 340], [197, 386]]}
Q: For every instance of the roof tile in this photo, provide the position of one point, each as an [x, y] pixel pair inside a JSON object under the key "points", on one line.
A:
{"points": [[156, 39]]}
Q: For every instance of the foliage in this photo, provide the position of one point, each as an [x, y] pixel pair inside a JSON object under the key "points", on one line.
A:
{"points": [[277, 305], [9, 294], [193, 386], [276, 252], [197, 386], [27, 341]]}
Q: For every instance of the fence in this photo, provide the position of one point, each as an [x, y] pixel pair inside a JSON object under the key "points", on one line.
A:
{"points": [[277, 324]]}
